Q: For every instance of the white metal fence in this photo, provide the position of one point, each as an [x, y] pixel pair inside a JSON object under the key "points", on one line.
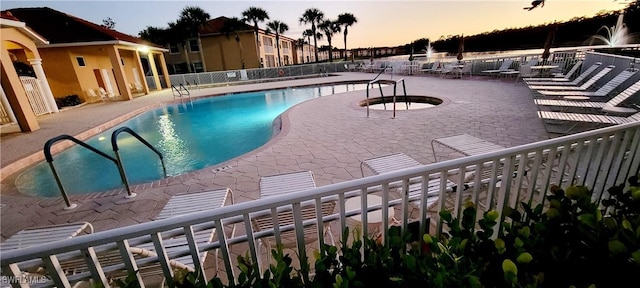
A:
{"points": [[597, 159], [34, 94]]}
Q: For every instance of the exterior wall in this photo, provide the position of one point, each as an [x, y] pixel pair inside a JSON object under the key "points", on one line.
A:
{"points": [[269, 52], [222, 53]]}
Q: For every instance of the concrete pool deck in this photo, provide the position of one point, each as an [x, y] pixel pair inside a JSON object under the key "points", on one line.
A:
{"points": [[329, 135]]}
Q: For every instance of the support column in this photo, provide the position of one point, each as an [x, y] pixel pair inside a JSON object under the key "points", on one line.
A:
{"points": [[143, 79], [154, 71], [44, 84], [165, 72], [15, 94], [121, 80], [7, 106]]}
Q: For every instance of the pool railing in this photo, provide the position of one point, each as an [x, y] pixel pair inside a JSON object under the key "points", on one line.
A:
{"points": [[597, 159]]}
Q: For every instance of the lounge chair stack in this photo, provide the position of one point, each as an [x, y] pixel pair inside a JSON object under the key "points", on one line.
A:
{"points": [[504, 67], [603, 91], [559, 77], [623, 96], [577, 81], [584, 86]]}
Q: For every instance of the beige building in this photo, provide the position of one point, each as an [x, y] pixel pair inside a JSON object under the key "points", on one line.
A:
{"points": [[214, 50]]}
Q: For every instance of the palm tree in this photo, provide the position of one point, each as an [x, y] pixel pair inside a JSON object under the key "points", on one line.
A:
{"points": [[346, 19], [308, 33], [313, 16], [255, 15], [233, 27], [300, 43], [279, 28], [188, 26], [330, 28]]}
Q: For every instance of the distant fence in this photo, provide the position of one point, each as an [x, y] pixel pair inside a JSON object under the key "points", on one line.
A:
{"points": [[253, 75]]}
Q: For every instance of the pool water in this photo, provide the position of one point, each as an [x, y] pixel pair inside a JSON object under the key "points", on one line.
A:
{"points": [[190, 136]]}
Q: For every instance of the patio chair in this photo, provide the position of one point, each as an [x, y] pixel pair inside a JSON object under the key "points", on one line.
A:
{"points": [[92, 94], [45, 234], [586, 85], [431, 68], [584, 118], [601, 92], [503, 67], [106, 95], [613, 102], [397, 161], [559, 77], [283, 184], [577, 81], [177, 205]]}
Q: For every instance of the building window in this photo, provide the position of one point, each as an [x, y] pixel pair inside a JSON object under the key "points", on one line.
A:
{"points": [[193, 45], [173, 48], [197, 67], [177, 68], [80, 60]]}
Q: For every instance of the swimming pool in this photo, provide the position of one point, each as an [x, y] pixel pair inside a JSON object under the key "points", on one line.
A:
{"points": [[190, 136]]}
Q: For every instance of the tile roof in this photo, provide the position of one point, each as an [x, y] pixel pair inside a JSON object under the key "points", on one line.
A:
{"points": [[214, 26], [59, 27]]}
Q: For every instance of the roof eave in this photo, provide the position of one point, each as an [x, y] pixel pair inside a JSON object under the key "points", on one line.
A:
{"points": [[109, 42], [39, 40]]}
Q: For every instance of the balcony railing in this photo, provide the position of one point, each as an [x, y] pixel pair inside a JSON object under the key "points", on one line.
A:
{"points": [[598, 159]]}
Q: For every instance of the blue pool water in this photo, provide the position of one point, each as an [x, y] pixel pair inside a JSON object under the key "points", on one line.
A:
{"points": [[190, 137]]}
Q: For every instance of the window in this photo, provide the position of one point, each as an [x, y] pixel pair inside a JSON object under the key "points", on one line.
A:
{"points": [[193, 45], [173, 48], [197, 67], [177, 68], [81, 61]]}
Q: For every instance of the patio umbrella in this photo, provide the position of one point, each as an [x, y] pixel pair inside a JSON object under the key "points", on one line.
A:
{"points": [[548, 42], [460, 48]]}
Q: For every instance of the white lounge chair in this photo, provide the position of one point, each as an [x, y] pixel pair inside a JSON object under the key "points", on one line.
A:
{"points": [[584, 118], [577, 81], [601, 92], [45, 234], [432, 68], [283, 184], [559, 77], [586, 85], [397, 161], [177, 205], [503, 67], [613, 102]]}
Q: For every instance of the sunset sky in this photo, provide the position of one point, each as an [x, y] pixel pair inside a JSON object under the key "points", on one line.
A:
{"points": [[380, 23]]}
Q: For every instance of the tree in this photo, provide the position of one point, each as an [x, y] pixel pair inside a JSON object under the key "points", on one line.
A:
{"points": [[255, 15], [108, 23], [234, 26], [308, 33], [330, 28], [313, 16], [279, 28], [300, 43], [188, 26], [346, 19], [155, 35]]}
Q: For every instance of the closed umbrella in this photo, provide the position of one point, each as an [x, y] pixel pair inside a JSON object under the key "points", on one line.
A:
{"points": [[548, 42], [460, 48]]}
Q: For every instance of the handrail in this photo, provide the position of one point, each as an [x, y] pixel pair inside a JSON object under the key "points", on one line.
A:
{"points": [[178, 90], [375, 80], [406, 100], [395, 84], [49, 158], [114, 145]]}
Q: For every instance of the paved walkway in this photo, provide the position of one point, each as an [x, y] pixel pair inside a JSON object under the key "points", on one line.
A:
{"points": [[330, 136]]}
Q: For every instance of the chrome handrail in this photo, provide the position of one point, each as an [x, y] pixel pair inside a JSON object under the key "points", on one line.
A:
{"points": [[114, 145]]}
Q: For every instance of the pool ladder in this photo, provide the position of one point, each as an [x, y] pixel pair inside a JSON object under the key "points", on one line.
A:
{"points": [[117, 161], [395, 85], [180, 91]]}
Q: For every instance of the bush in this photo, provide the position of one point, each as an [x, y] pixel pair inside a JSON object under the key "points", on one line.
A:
{"points": [[571, 241], [71, 100]]}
